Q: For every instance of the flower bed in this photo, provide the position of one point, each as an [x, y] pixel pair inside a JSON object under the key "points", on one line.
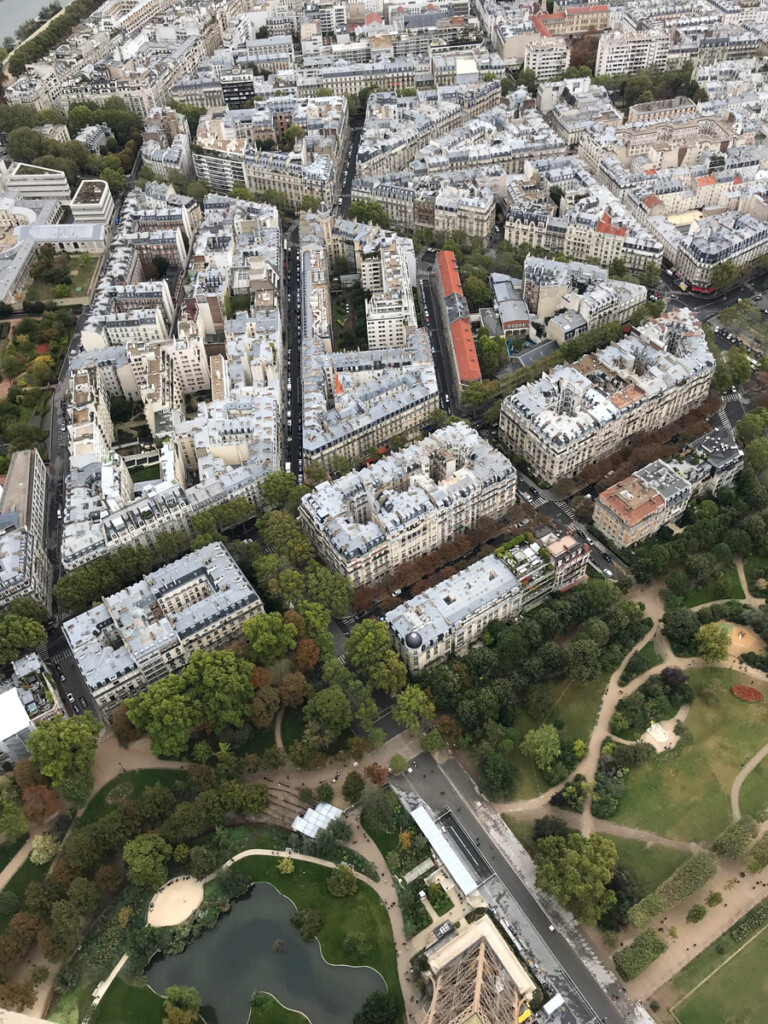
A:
{"points": [[747, 693]]}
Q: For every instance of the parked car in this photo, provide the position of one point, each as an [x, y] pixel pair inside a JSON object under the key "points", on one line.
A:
{"points": [[71, 698], [83, 703]]}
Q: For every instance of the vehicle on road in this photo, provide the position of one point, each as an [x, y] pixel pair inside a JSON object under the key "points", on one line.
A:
{"points": [[83, 703], [71, 698]]}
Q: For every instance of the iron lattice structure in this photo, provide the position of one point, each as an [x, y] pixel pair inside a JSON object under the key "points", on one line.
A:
{"points": [[475, 987]]}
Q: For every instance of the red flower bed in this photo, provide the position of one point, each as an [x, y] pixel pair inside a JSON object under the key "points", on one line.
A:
{"points": [[747, 693]]}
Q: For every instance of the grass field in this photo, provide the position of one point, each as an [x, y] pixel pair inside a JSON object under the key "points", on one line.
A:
{"points": [[9, 850], [577, 707], [40, 291], [647, 865], [129, 1004], [523, 829], [307, 887], [687, 795], [703, 595], [753, 798], [129, 784], [736, 993], [752, 564], [293, 726], [272, 1012]]}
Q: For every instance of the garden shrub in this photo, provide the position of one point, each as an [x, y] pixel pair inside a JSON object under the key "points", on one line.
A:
{"points": [[686, 879], [734, 841], [756, 918], [645, 911], [758, 855], [634, 959], [697, 913]]}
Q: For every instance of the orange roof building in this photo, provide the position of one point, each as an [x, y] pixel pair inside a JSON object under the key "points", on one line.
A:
{"points": [[455, 316]]}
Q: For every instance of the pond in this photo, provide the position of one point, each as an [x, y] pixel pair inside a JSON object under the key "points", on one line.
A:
{"points": [[227, 964]]}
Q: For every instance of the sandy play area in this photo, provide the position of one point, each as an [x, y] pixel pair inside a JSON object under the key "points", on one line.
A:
{"points": [[743, 639], [175, 901]]}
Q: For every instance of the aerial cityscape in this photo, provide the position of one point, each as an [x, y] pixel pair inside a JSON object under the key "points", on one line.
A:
{"points": [[383, 512]]}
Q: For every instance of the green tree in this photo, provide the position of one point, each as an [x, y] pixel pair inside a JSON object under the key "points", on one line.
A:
{"points": [[368, 652], [329, 709], [713, 641], [412, 707], [378, 1008], [342, 881], [286, 866], [63, 749], [270, 637], [397, 764], [168, 712], [84, 895], [542, 745], [219, 683], [186, 997], [724, 275], [353, 787], [577, 870], [756, 455], [366, 210], [476, 291], [18, 636], [146, 857]]}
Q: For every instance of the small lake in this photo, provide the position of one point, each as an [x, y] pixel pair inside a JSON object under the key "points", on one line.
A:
{"points": [[227, 964]]}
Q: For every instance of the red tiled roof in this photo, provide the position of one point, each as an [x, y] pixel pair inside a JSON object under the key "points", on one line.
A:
{"points": [[605, 227], [449, 273], [708, 179], [464, 350]]}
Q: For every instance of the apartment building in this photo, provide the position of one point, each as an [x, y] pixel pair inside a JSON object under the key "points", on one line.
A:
{"points": [[153, 628], [578, 414], [25, 569], [622, 53], [408, 504], [441, 203], [354, 400], [15, 728], [637, 507], [546, 57], [447, 619], [596, 227], [454, 313]]}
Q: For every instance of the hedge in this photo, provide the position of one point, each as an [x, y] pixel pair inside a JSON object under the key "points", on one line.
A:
{"points": [[686, 879], [633, 960], [758, 855], [644, 911], [756, 918], [733, 842]]}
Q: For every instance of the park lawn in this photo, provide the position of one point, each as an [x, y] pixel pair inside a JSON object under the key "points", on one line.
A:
{"points": [[753, 798], [577, 707], [129, 1004], [753, 563], [272, 1012], [41, 291], [523, 829], [651, 656], [9, 850], [28, 872], [648, 866], [364, 912], [292, 727], [703, 595], [736, 992], [261, 740], [130, 785], [687, 795]]}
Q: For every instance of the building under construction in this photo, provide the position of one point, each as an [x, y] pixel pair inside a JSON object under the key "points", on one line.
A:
{"points": [[476, 979]]}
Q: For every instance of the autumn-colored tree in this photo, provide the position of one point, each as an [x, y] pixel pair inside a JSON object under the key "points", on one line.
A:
{"points": [[376, 773], [26, 774], [307, 654], [405, 839], [260, 677], [294, 689], [38, 803], [297, 620], [123, 728]]}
